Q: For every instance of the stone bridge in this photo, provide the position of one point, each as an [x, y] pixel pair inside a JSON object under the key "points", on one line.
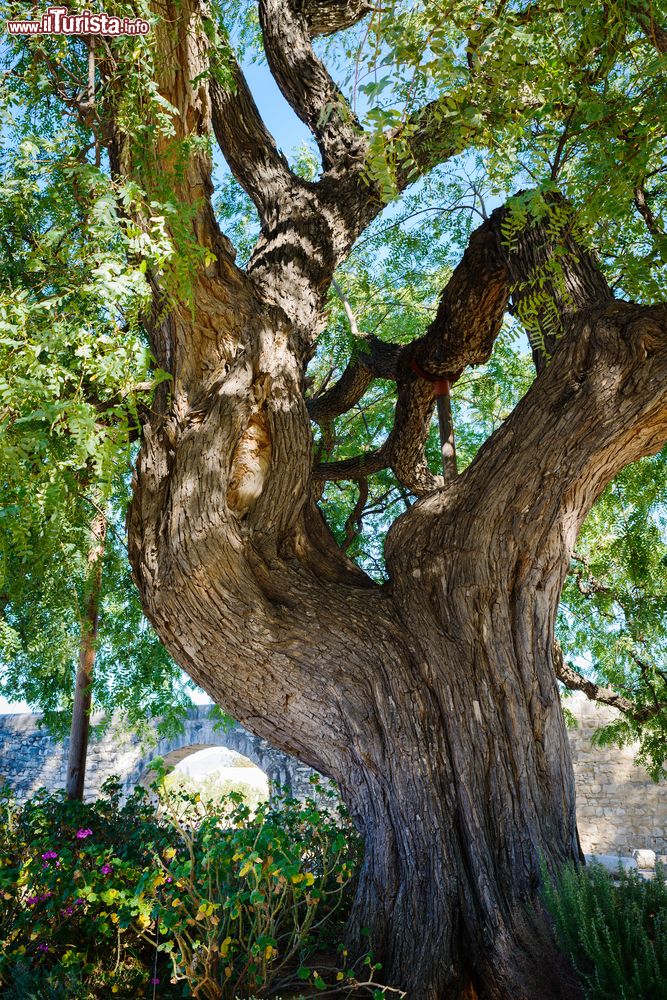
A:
{"points": [[30, 758], [619, 808]]}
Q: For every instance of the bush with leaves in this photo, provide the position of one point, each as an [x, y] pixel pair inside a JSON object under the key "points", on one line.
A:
{"points": [[177, 897], [243, 897], [615, 934], [68, 877]]}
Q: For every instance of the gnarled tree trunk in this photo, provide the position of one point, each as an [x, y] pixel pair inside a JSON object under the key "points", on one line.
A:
{"points": [[432, 700]]}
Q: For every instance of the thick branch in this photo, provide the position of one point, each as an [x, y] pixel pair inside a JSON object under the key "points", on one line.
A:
{"points": [[472, 305], [325, 17], [550, 278], [468, 320], [553, 277], [307, 85], [358, 467], [656, 34], [599, 405], [247, 145], [377, 360], [642, 205]]}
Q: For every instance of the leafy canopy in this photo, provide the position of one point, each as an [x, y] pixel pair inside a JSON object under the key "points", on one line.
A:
{"points": [[551, 95]]}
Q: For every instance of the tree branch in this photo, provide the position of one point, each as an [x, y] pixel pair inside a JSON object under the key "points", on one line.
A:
{"points": [[600, 404], [575, 681], [305, 82], [247, 145], [553, 276], [468, 320], [325, 17], [656, 34], [376, 360], [354, 521], [358, 467], [641, 204]]}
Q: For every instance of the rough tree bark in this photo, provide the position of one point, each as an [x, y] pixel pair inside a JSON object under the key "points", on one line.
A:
{"points": [[432, 700]]}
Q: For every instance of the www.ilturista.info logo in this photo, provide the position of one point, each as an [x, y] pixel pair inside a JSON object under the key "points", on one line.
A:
{"points": [[59, 21]]}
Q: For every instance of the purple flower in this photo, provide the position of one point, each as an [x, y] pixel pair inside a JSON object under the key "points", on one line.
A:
{"points": [[31, 900], [77, 902], [68, 911], [82, 834], [42, 946], [106, 869], [48, 855]]}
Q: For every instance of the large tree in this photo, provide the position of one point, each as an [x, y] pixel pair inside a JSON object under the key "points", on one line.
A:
{"points": [[431, 698]]}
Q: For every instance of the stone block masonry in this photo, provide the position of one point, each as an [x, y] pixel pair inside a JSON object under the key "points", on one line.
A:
{"points": [[31, 759], [619, 808]]}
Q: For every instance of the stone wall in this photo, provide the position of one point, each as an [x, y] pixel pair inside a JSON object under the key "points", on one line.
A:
{"points": [[619, 808], [30, 759]]}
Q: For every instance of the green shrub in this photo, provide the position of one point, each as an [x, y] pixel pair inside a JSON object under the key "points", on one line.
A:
{"points": [[242, 896], [615, 934], [186, 898], [68, 876]]}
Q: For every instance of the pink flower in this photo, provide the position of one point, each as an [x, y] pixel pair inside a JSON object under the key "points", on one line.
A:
{"points": [[48, 855], [82, 834], [106, 869]]}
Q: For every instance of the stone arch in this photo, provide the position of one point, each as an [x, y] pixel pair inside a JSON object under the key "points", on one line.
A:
{"points": [[30, 758], [200, 732]]}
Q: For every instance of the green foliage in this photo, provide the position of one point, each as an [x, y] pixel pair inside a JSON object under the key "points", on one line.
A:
{"points": [[614, 607], [68, 878], [210, 899], [75, 370], [615, 934], [259, 887], [555, 96]]}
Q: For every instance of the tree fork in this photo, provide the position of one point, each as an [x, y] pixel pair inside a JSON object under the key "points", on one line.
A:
{"points": [[431, 700]]}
